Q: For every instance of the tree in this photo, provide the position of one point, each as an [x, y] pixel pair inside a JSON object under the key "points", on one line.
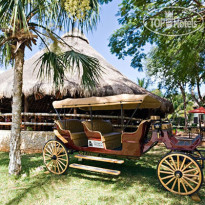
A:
{"points": [[168, 72], [144, 83], [157, 92], [25, 21], [178, 104], [130, 38]]}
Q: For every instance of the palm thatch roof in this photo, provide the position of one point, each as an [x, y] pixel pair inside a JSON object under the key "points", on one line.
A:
{"points": [[112, 82]]}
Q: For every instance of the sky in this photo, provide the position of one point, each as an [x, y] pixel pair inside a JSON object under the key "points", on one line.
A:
{"points": [[99, 40]]}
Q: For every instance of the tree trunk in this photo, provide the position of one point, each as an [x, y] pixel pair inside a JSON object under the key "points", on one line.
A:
{"points": [[26, 108], [185, 105], [15, 141], [194, 97], [199, 92]]}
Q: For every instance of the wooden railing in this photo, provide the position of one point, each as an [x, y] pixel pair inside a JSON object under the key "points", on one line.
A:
{"points": [[43, 117]]}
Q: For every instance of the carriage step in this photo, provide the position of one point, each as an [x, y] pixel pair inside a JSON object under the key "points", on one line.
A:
{"points": [[101, 159], [95, 169]]}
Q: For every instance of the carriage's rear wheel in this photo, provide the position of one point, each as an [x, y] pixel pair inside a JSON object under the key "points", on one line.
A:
{"points": [[55, 156], [179, 173]]}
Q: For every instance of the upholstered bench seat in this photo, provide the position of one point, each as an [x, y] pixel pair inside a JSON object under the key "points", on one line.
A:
{"points": [[78, 135], [103, 130], [75, 129], [111, 136]]}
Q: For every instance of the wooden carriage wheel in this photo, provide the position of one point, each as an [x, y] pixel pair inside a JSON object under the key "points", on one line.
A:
{"points": [[179, 173], [55, 157], [197, 154]]}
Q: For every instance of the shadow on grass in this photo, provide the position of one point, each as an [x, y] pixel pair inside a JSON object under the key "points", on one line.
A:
{"points": [[30, 162], [141, 171], [4, 159]]}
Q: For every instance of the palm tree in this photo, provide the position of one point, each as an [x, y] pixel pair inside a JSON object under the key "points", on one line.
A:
{"points": [[179, 108], [144, 83], [25, 21]]}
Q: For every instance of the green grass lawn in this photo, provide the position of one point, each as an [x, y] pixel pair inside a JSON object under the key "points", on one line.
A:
{"points": [[137, 184]]}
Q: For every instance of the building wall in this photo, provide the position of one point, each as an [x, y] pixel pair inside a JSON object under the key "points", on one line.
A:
{"points": [[31, 141]]}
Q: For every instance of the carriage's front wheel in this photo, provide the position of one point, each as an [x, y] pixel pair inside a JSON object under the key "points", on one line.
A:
{"points": [[55, 156], [180, 173]]}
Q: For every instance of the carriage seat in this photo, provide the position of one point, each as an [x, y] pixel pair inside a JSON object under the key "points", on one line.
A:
{"points": [[76, 130], [186, 144], [103, 131], [133, 141]]}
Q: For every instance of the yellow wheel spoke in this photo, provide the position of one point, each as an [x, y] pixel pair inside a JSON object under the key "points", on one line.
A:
{"points": [[183, 163], [61, 162], [48, 155], [169, 164], [167, 168], [164, 172], [52, 165], [191, 180], [50, 148], [62, 149], [167, 177], [173, 162], [179, 186], [177, 161], [63, 159], [57, 149], [54, 149], [190, 170], [190, 175], [187, 166], [185, 189], [48, 158], [188, 183], [60, 165], [48, 151], [49, 163], [57, 166], [170, 180], [173, 185]]}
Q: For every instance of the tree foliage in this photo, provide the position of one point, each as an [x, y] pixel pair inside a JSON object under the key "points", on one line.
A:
{"points": [[144, 82], [178, 104], [176, 58], [133, 35]]}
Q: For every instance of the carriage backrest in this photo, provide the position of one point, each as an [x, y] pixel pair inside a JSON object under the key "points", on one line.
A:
{"points": [[99, 125], [143, 129], [73, 125]]}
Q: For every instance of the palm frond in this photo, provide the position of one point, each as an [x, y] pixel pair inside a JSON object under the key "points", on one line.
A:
{"points": [[52, 64], [91, 69]]}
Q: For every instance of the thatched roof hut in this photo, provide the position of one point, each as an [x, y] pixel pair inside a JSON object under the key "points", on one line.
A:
{"points": [[112, 81]]}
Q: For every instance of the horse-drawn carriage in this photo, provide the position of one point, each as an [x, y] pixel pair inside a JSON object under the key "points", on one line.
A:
{"points": [[179, 171]]}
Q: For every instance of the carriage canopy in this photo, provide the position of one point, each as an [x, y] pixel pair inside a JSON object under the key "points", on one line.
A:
{"points": [[115, 102]]}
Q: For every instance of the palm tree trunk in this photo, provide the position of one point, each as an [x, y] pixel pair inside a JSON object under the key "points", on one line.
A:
{"points": [[15, 141]]}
